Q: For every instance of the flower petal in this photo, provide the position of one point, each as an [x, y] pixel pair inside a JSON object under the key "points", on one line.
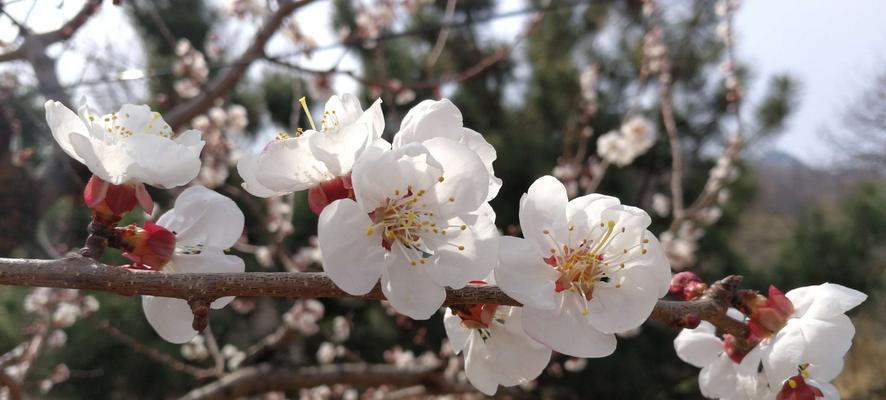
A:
{"points": [[163, 162], [458, 335], [171, 318], [209, 260], [427, 120], [202, 216], [523, 275], [617, 309], [466, 183], [63, 123], [824, 301], [478, 144], [353, 256], [410, 289], [719, 379], [289, 165], [543, 208], [566, 330], [246, 167], [462, 255], [699, 347]]}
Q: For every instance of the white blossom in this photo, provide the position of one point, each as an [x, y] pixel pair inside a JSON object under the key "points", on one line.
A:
{"points": [[496, 350], [587, 268], [420, 223], [292, 164], [205, 223], [632, 140], [131, 146]]}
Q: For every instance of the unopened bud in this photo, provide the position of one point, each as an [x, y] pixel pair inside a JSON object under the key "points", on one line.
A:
{"points": [[108, 200], [151, 246], [766, 315], [687, 286]]}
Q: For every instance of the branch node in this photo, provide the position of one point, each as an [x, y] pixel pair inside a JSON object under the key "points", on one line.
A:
{"points": [[200, 309]]}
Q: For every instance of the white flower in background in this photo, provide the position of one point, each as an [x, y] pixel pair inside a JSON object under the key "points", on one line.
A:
{"points": [[132, 146], [817, 332], [587, 268], [661, 204], [440, 118], [205, 223], [419, 222], [292, 164], [726, 374], [496, 350], [632, 140]]}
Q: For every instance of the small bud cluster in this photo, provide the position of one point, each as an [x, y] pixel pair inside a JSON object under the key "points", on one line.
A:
{"points": [[190, 70]]}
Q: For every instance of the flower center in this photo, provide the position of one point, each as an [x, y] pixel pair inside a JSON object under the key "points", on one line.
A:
{"points": [[409, 225], [585, 262], [479, 317]]}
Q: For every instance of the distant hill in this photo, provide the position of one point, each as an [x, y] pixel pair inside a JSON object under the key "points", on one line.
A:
{"points": [[789, 186]]}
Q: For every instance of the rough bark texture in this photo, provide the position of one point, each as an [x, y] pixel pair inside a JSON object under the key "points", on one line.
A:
{"points": [[78, 272]]}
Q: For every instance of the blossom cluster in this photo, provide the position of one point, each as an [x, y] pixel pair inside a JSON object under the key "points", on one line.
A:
{"points": [[134, 147], [411, 217], [795, 348]]}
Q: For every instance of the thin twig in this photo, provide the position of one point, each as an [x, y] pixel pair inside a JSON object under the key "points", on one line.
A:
{"points": [[155, 355]]}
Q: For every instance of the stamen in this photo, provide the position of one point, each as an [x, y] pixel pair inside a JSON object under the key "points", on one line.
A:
{"points": [[304, 105]]}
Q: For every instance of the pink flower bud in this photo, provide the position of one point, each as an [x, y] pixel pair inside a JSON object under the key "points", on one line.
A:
{"points": [[108, 200], [767, 315], [321, 195], [687, 286], [150, 247]]}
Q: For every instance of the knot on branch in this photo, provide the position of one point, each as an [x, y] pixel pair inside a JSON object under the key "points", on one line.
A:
{"points": [[101, 232], [722, 292], [200, 309]]}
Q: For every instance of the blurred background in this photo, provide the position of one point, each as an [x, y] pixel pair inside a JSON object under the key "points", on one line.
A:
{"points": [[805, 202]]}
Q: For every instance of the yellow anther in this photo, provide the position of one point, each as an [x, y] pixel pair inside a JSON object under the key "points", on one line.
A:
{"points": [[553, 251], [422, 262], [440, 179], [611, 223], [451, 199], [792, 383], [546, 232], [461, 248], [463, 227], [617, 285], [369, 231], [304, 106], [585, 311], [412, 262], [644, 251], [571, 227], [645, 241]]}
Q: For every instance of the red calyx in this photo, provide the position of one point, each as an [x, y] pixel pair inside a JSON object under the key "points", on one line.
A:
{"points": [[767, 315], [731, 349], [150, 247], [475, 316], [107, 200], [321, 195], [796, 388], [687, 285]]}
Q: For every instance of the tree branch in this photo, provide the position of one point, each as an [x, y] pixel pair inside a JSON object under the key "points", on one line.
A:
{"points": [[263, 378], [65, 32], [78, 272], [183, 113]]}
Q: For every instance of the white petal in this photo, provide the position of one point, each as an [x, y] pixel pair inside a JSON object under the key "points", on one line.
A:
{"points": [[824, 301], [409, 288], [458, 335], [289, 165], [380, 175], [63, 123], [618, 309], [805, 340], [508, 358], [246, 167], [699, 347], [339, 149], [478, 144], [353, 257], [584, 214], [523, 275], [542, 208], [719, 379], [566, 330], [171, 318], [455, 266], [466, 184], [427, 120], [111, 163], [202, 216], [163, 162]]}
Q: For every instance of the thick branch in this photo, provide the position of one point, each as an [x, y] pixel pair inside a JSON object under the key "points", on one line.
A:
{"points": [[43, 40], [263, 378], [82, 273], [182, 114]]}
